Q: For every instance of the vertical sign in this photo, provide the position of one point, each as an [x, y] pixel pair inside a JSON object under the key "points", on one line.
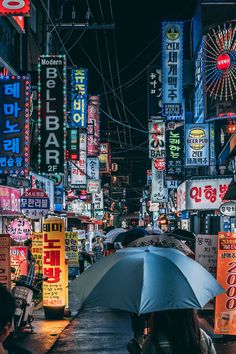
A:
{"points": [[156, 139], [79, 79], [72, 144], [93, 126], [154, 92], [5, 264], [16, 7], [199, 97], [14, 127], [197, 144], [54, 263], [172, 60], [71, 241], [105, 158], [159, 192], [175, 150], [206, 252], [93, 167], [225, 309], [79, 168], [52, 114], [37, 250]]}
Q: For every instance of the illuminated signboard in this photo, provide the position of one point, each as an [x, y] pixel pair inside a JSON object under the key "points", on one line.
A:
{"points": [[199, 97], [156, 139], [79, 168], [172, 61], [72, 144], [154, 92], [220, 72], [197, 144], [93, 167], [79, 78], [93, 126], [14, 128], [52, 114], [159, 192], [16, 7], [175, 150], [19, 23], [105, 158]]}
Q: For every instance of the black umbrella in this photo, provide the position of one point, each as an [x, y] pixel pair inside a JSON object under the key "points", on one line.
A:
{"points": [[130, 235], [109, 228], [183, 235]]}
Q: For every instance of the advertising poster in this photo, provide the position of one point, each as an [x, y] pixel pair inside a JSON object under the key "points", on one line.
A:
{"points": [[93, 130], [71, 242], [79, 82], [206, 252], [156, 139], [154, 92], [172, 78], [54, 263], [5, 262], [18, 256], [14, 128], [175, 150], [225, 308], [197, 144], [37, 250], [52, 114]]}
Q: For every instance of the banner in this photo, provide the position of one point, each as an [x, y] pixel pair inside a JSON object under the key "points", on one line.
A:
{"points": [[172, 59], [14, 128], [79, 82], [93, 167], [154, 92], [156, 139], [79, 168], [197, 144], [71, 242], [225, 309], [93, 129], [52, 114], [5, 264], [16, 7], [37, 250], [175, 150], [206, 252]]}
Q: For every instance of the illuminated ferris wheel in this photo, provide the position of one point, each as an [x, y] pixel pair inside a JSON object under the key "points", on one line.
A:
{"points": [[220, 62]]}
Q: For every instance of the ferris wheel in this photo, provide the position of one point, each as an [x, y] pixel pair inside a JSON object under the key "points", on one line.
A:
{"points": [[220, 62]]}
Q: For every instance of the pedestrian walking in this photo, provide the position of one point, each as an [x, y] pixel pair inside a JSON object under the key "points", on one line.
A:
{"points": [[97, 249], [83, 256], [177, 332]]}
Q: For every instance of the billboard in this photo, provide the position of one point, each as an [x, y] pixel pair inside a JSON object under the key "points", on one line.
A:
{"points": [[93, 129], [172, 61], [16, 7], [174, 150], [79, 82], [197, 145], [154, 92], [52, 114], [156, 139], [14, 128]]}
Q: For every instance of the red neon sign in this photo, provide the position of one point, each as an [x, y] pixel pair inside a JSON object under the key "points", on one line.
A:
{"points": [[20, 21], [223, 62], [15, 7]]}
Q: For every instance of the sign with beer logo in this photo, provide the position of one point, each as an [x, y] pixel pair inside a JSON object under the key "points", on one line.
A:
{"points": [[197, 144], [172, 59], [19, 229], [52, 114], [228, 209], [156, 139], [34, 203], [16, 7], [225, 308]]}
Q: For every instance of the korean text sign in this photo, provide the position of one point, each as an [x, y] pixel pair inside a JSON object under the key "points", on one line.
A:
{"points": [[37, 250], [174, 150], [93, 126], [172, 60], [5, 274], [54, 263], [16, 7], [79, 98], [154, 92], [156, 139], [206, 252], [71, 241], [52, 114], [93, 167], [225, 309], [79, 168], [197, 144], [14, 128], [105, 158], [9, 201], [34, 203]]}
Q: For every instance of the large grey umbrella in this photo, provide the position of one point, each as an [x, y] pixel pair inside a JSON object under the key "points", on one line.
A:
{"points": [[147, 279], [111, 235]]}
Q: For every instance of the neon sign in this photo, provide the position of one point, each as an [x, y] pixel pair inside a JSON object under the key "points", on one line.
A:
{"points": [[16, 7]]}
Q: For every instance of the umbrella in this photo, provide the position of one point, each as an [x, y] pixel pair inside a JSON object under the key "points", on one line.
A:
{"points": [[109, 228], [130, 235], [162, 241], [154, 231], [111, 235], [147, 279], [183, 235]]}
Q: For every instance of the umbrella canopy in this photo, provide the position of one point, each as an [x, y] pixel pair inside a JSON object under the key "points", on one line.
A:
{"points": [[147, 279], [154, 231], [111, 235], [183, 235], [130, 235], [162, 241]]}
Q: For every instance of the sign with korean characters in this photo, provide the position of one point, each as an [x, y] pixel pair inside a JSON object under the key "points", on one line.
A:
{"points": [[79, 168], [159, 192], [71, 242], [14, 128], [93, 130], [172, 78], [225, 308], [52, 114], [154, 92], [156, 139], [54, 288], [228, 208], [44, 184], [93, 167], [79, 83], [5, 263], [16, 7], [19, 229], [37, 250], [34, 204], [93, 185], [9, 201], [197, 144], [18, 256], [206, 252], [175, 150], [105, 158]]}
